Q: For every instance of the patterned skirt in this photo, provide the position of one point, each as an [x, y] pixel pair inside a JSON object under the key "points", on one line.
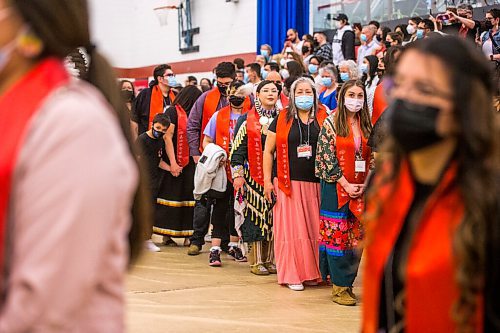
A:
{"points": [[340, 232]]}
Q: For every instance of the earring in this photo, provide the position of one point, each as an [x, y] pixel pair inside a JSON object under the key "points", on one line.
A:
{"points": [[29, 44]]}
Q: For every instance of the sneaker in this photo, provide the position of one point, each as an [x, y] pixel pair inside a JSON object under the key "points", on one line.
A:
{"points": [[214, 258], [194, 250], [208, 238], [296, 287], [259, 269], [150, 246], [236, 254]]}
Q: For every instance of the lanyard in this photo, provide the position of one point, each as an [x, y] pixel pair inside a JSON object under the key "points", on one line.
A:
{"points": [[300, 131]]}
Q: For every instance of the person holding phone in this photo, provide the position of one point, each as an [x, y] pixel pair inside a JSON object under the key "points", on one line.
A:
{"points": [[343, 161], [293, 137]]}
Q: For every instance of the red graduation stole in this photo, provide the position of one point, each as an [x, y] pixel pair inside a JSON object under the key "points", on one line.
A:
{"points": [[156, 104], [282, 131], [182, 142], [431, 263], [284, 100], [222, 137], [209, 108], [254, 146], [18, 105], [322, 114], [379, 103], [346, 151]]}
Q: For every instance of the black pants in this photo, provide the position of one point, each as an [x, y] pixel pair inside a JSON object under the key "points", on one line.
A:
{"points": [[222, 218]]}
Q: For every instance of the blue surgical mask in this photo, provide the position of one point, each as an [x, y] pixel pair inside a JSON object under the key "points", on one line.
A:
{"points": [[420, 33], [172, 81], [245, 77], [363, 38], [263, 73], [344, 77], [313, 69], [304, 102], [363, 68], [327, 81], [157, 134], [264, 53]]}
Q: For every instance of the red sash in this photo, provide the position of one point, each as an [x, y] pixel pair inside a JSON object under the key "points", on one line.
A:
{"points": [[322, 114], [182, 142], [379, 103], [209, 108], [254, 144], [18, 106], [284, 101], [156, 104], [282, 131], [346, 151], [431, 263]]}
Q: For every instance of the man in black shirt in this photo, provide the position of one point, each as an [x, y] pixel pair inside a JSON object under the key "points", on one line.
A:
{"points": [[152, 149], [164, 79], [462, 23]]}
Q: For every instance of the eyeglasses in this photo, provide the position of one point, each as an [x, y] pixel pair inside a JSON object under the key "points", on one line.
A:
{"points": [[490, 18], [169, 75]]}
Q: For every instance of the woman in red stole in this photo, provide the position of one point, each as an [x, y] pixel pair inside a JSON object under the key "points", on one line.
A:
{"points": [[175, 202], [343, 161], [293, 136], [68, 177], [433, 220]]}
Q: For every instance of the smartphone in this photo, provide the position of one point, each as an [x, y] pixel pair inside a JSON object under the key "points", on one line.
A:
{"points": [[444, 18]]}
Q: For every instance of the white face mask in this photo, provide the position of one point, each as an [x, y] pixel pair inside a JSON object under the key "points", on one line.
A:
{"points": [[284, 74], [410, 29], [354, 104]]}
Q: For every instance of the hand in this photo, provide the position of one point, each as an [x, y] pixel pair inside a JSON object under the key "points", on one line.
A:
{"points": [[268, 189], [352, 190], [175, 169], [196, 159], [238, 183], [432, 18]]}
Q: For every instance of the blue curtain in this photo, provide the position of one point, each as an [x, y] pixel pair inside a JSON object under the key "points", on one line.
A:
{"points": [[275, 17]]}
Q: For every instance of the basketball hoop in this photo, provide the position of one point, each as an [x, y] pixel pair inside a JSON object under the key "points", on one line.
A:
{"points": [[162, 14]]}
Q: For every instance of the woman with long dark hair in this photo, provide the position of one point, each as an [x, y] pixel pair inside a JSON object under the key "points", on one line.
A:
{"points": [[248, 178], [68, 177], [370, 78], [343, 160], [433, 247], [175, 201]]}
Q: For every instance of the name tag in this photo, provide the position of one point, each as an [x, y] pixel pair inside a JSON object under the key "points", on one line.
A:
{"points": [[304, 151], [359, 166]]}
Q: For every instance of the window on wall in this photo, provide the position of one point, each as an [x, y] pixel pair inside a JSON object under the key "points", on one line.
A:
{"points": [[363, 11]]}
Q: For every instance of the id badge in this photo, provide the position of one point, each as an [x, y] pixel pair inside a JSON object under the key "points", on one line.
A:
{"points": [[359, 166], [304, 151]]}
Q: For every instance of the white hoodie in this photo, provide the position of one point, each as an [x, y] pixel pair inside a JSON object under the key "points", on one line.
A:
{"points": [[210, 173]]}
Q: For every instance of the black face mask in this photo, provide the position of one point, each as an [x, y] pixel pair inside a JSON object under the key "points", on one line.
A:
{"points": [[488, 25], [127, 95], [157, 134], [387, 45], [236, 100], [222, 89], [305, 49], [413, 126], [378, 37], [205, 87]]}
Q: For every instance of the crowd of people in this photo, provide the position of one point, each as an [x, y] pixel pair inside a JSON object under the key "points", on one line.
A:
{"points": [[379, 142]]}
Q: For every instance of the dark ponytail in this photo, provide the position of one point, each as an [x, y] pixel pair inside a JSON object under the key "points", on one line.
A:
{"points": [[63, 26]]}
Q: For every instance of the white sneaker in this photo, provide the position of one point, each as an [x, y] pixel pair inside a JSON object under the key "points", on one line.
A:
{"points": [[150, 246], [296, 287]]}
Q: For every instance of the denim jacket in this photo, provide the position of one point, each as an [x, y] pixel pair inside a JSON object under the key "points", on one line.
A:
{"points": [[496, 38]]}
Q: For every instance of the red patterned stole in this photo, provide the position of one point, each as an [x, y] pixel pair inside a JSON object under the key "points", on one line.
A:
{"points": [[209, 108], [222, 136], [156, 103], [18, 105], [182, 142], [346, 155], [282, 131], [254, 145], [322, 114]]}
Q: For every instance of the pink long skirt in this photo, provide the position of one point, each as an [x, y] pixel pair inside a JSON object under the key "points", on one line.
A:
{"points": [[296, 233]]}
